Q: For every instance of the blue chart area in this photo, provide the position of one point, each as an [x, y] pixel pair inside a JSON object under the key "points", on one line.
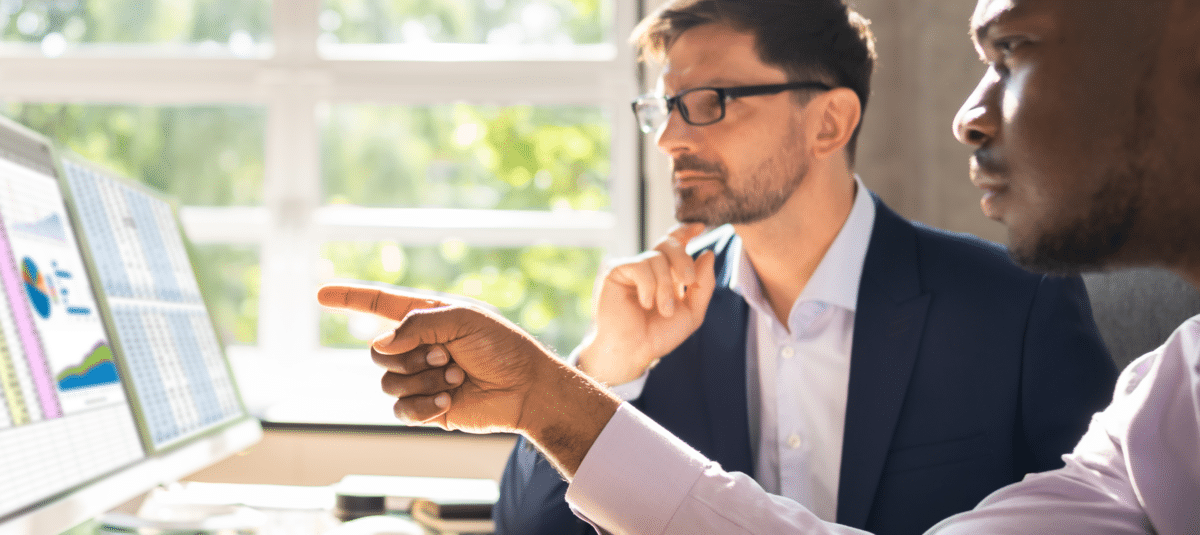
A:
{"points": [[104, 373], [50, 227], [96, 369], [36, 287]]}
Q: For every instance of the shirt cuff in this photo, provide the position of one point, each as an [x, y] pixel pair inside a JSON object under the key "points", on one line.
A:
{"points": [[609, 488], [631, 390]]}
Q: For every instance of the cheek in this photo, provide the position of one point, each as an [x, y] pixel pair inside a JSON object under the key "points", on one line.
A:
{"points": [[1041, 145]]}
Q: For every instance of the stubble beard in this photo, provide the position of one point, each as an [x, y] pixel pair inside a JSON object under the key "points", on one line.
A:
{"points": [[755, 202]]}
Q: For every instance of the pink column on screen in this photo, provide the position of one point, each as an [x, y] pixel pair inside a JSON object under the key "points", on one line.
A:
{"points": [[23, 317]]}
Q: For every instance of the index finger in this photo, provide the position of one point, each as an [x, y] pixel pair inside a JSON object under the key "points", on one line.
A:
{"points": [[674, 247], [391, 304]]}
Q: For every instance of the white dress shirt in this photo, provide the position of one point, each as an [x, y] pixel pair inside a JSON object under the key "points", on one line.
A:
{"points": [[797, 376], [796, 384], [1136, 471]]}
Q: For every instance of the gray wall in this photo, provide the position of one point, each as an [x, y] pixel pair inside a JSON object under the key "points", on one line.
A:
{"points": [[908, 155]]}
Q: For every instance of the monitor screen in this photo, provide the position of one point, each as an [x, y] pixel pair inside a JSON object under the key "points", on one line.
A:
{"points": [[65, 419], [182, 383]]}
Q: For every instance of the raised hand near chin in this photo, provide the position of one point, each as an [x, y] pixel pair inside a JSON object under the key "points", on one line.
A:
{"points": [[646, 306]]}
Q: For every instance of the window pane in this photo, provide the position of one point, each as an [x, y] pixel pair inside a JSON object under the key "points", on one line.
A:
{"points": [[544, 289], [230, 278], [494, 22], [463, 156], [236, 26], [203, 155]]}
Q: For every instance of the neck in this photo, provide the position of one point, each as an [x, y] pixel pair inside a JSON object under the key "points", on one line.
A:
{"points": [[787, 247]]}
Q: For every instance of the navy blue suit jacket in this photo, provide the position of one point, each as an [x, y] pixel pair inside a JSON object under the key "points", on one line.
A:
{"points": [[966, 373]]}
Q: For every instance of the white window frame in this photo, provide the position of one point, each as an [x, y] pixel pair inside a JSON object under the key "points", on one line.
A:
{"points": [[292, 83]]}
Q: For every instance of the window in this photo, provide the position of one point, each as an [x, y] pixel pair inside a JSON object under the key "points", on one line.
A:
{"points": [[479, 147]]}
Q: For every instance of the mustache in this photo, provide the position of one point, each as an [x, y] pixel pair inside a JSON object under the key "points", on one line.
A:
{"points": [[986, 162], [691, 162]]}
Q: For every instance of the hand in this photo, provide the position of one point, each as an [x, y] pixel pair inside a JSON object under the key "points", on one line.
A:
{"points": [[646, 306], [465, 368]]}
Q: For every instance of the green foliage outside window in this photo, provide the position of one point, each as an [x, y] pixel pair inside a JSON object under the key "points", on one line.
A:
{"points": [[505, 22], [231, 279], [461, 156], [203, 155], [231, 22], [547, 290]]}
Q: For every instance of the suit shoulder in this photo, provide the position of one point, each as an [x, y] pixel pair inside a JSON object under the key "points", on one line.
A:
{"points": [[969, 254]]}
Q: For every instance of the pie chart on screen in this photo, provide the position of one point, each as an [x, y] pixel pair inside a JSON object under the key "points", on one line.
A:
{"points": [[35, 287]]}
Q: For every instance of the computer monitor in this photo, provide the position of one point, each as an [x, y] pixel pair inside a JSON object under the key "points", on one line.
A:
{"points": [[84, 428], [182, 383]]}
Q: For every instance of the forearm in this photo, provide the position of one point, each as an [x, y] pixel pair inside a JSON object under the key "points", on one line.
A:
{"points": [[564, 414]]}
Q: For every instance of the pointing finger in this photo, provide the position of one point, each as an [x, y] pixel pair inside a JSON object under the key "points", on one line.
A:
{"points": [[391, 304]]}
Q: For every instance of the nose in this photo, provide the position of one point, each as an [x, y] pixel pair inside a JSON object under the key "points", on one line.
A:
{"points": [[978, 120], [676, 135]]}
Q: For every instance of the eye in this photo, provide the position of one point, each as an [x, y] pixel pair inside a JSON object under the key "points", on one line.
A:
{"points": [[1002, 52], [1007, 46]]}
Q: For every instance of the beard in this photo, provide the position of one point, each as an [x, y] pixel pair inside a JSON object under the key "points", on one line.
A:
{"points": [[1101, 238], [769, 187], [1090, 242]]}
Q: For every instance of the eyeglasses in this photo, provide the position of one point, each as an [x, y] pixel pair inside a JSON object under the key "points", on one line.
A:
{"points": [[701, 106]]}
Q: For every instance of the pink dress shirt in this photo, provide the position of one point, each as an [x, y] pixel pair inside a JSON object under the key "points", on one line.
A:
{"points": [[1136, 471]]}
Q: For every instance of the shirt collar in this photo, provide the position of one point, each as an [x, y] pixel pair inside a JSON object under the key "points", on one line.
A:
{"points": [[836, 279]]}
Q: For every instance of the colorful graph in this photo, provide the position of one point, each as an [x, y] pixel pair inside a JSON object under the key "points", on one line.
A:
{"points": [[97, 369], [37, 287]]}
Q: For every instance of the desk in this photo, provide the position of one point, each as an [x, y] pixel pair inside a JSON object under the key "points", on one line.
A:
{"points": [[288, 510]]}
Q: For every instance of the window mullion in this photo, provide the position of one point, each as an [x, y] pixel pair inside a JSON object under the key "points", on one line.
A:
{"points": [[287, 311]]}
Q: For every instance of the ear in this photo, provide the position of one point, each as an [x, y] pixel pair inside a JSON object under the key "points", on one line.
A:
{"points": [[837, 113]]}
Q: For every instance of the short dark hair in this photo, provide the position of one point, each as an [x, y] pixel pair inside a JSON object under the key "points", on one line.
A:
{"points": [[824, 40]]}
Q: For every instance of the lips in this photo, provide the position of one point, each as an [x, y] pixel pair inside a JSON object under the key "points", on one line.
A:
{"points": [[685, 178], [989, 175]]}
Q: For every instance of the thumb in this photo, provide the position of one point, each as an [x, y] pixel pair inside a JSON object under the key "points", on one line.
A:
{"points": [[428, 327]]}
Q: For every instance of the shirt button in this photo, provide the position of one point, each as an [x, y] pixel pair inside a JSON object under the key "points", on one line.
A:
{"points": [[793, 441], [787, 352]]}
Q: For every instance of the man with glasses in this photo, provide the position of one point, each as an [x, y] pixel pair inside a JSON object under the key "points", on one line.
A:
{"points": [[884, 374]]}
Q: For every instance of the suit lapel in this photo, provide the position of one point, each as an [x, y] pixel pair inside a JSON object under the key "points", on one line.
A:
{"points": [[722, 347], [888, 322]]}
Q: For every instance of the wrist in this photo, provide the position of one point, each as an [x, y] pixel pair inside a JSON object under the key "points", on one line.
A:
{"points": [[610, 365], [565, 414]]}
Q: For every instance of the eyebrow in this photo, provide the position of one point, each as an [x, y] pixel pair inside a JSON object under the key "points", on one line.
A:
{"points": [[980, 32]]}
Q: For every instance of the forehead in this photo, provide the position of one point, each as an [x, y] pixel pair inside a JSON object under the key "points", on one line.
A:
{"points": [[989, 13], [714, 54]]}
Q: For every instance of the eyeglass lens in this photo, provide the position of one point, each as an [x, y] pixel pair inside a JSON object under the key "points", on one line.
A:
{"points": [[698, 107]]}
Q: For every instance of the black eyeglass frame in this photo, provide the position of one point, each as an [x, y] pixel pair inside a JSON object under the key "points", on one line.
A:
{"points": [[724, 95]]}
